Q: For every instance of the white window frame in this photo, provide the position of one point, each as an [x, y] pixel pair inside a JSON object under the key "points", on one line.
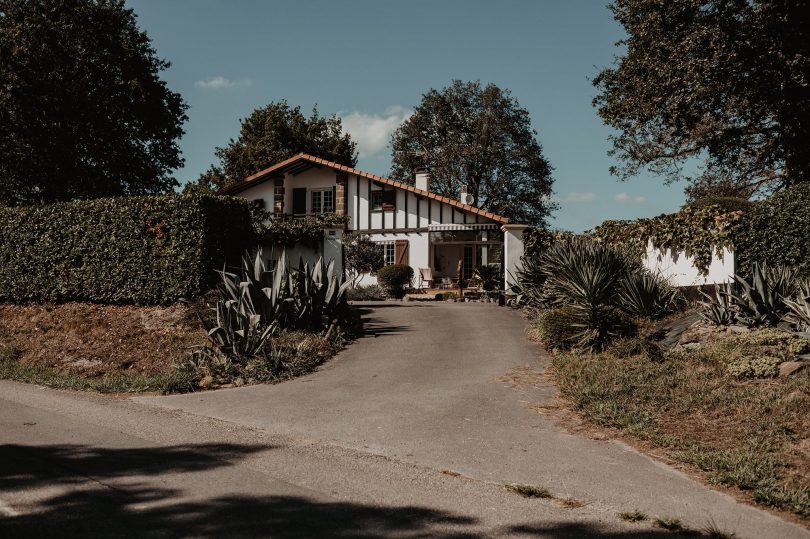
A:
{"points": [[320, 195], [389, 248]]}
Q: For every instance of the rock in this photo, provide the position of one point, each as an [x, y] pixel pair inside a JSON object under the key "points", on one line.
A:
{"points": [[239, 382], [692, 345], [207, 382], [406, 298], [739, 329], [789, 367]]}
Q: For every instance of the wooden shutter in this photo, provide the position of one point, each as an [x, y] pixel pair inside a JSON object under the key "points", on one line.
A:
{"points": [[401, 252], [299, 200]]}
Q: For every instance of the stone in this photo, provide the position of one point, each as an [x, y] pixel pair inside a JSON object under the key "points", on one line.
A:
{"points": [[207, 382], [692, 345], [789, 367], [739, 329], [239, 382]]}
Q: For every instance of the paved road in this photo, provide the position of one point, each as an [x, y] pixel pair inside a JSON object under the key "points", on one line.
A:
{"points": [[371, 445], [424, 388]]}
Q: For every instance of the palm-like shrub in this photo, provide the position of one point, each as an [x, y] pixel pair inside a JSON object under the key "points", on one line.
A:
{"points": [[582, 272], [798, 308], [490, 276], [645, 294]]}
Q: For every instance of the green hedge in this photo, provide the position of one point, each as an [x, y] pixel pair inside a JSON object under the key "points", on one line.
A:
{"points": [[776, 231], [143, 250]]}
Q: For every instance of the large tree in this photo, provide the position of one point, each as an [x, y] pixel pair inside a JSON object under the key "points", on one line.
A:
{"points": [[83, 111], [479, 137], [272, 134], [726, 83]]}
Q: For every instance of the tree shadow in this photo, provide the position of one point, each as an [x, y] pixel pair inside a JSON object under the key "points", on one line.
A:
{"points": [[83, 505], [374, 326]]}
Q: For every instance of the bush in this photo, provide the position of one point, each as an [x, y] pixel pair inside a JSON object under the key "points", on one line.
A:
{"points": [[574, 327], [395, 278], [362, 255], [370, 292], [775, 231], [644, 294], [143, 250]]}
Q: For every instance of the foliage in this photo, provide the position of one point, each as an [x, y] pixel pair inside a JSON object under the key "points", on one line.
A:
{"points": [[723, 204], [700, 232], [146, 250], [798, 308], [272, 134], [644, 294], [370, 292], [582, 272], [361, 255], [775, 231], [743, 435], [758, 366], [750, 119], [257, 304], [490, 276], [481, 138], [395, 278], [83, 111], [538, 239], [289, 231], [573, 327], [554, 327], [770, 297]]}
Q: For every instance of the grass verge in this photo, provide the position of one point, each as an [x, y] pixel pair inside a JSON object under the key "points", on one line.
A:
{"points": [[11, 368], [748, 434]]}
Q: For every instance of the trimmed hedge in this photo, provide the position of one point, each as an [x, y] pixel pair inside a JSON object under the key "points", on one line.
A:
{"points": [[143, 250]]}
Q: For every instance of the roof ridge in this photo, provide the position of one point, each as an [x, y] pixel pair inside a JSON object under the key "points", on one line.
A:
{"points": [[257, 178]]}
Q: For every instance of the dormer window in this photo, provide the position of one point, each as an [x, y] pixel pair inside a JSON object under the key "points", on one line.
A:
{"points": [[323, 201]]}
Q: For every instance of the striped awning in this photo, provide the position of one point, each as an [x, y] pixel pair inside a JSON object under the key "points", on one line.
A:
{"points": [[462, 226]]}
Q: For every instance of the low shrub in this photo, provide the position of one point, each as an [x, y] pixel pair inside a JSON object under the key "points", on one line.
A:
{"points": [[755, 366], [370, 292], [573, 327], [395, 278], [644, 294]]}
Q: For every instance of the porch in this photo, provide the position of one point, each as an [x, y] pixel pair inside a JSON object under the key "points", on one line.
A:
{"points": [[456, 251]]}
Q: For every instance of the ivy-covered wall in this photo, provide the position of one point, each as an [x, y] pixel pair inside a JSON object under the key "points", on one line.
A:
{"points": [[775, 231], [144, 250]]}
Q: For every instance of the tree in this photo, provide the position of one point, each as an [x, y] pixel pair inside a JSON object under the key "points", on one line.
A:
{"points": [[275, 133], [726, 82], [362, 255], [83, 111], [481, 138]]}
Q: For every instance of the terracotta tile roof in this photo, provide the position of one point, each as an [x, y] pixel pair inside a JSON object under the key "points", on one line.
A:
{"points": [[280, 168]]}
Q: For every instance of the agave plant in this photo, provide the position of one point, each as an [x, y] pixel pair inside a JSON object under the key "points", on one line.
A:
{"points": [[643, 293], [799, 308], [719, 309], [257, 303], [760, 301]]}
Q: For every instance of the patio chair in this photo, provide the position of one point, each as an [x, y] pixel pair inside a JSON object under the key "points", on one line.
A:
{"points": [[426, 276]]}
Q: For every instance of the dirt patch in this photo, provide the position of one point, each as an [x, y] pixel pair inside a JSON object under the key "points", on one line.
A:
{"points": [[524, 376], [100, 339]]}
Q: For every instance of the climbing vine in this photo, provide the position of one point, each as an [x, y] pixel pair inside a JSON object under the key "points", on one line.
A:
{"points": [[700, 232], [291, 231]]}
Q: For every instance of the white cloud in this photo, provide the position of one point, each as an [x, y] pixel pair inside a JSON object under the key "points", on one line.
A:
{"points": [[218, 82], [371, 132], [624, 197], [574, 196]]}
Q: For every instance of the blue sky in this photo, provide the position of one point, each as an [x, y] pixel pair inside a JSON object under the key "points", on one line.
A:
{"points": [[371, 61]]}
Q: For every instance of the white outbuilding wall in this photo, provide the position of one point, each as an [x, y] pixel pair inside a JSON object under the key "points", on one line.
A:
{"points": [[680, 269]]}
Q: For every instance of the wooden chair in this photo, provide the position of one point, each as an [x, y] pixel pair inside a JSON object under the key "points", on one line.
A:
{"points": [[425, 276]]}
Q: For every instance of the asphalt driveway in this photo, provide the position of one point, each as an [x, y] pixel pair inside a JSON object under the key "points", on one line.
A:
{"points": [[430, 385]]}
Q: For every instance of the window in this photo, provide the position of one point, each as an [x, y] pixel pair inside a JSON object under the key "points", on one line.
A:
{"points": [[382, 200], [389, 251], [323, 201]]}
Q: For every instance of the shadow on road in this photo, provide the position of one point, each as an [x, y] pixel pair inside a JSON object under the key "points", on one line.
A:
{"points": [[90, 509], [375, 326]]}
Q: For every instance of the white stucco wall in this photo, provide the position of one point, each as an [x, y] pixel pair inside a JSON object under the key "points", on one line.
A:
{"points": [[680, 270], [418, 253]]}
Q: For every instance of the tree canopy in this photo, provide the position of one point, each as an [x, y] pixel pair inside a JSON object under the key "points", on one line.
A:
{"points": [[274, 133], [480, 137], [727, 83], [83, 111]]}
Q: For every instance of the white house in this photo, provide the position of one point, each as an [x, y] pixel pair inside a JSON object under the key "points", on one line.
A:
{"points": [[415, 226]]}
